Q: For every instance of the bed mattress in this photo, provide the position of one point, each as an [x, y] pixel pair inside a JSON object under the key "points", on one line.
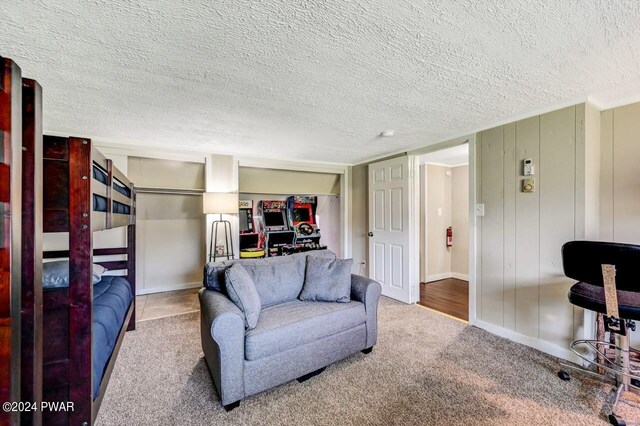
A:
{"points": [[111, 300]]}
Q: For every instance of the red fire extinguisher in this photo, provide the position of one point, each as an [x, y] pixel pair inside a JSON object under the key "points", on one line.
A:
{"points": [[449, 236]]}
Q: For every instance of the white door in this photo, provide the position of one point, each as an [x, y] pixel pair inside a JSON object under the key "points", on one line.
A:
{"points": [[393, 259]]}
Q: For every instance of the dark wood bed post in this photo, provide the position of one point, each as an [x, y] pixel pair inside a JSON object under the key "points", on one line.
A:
{"points": [[131, 267], [10, 233], [109, 191], [80, 281], [31, 319]]}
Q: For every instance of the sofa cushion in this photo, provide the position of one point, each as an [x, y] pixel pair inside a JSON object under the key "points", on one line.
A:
{"points": [[213, 277], [327, 280], [296, 323], [242, 292], [277, 279]]}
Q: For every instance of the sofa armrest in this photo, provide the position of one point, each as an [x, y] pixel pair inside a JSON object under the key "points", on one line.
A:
{"points": [[367, 291], [222, 333]]}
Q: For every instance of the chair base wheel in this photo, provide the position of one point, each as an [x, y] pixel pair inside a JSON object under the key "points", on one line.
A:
{"points": [[564, 376], [231, 406], [616, 421], [635, 382]]}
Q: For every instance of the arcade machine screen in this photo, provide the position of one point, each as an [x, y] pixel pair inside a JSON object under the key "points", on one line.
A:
{"points": [[301, 215], [274, 219]]}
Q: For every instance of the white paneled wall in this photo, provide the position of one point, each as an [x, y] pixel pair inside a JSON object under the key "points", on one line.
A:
{"points": [[521, 288], [620, 183]]}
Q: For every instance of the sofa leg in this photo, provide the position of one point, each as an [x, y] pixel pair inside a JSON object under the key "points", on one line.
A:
{"points": [[367, 351], [310, 375], [231, 406]]}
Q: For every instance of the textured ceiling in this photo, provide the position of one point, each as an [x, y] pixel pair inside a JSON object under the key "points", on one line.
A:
{"points": [[311, 79]]}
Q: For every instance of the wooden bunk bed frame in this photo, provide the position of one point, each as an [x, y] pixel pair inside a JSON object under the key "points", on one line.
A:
{"points": [[10, 233], [69, 191], [31, 318]]}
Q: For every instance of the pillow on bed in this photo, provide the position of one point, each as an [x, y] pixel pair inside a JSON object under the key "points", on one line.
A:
{"points": [[56, 274], [242, 291]]}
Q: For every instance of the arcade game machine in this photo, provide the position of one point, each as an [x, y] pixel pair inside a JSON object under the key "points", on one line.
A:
{"points": [[302, 218], [250, 246], [272, 218]]}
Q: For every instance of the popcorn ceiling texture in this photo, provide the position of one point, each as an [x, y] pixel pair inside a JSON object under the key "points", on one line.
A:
{"points": [[312, 79]]}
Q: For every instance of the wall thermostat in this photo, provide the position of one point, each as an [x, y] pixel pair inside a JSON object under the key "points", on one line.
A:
{"points": [[528, 169], [528, 185]]}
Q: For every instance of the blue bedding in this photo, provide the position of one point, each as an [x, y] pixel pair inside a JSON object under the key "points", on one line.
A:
{"points": [[111, 300]]}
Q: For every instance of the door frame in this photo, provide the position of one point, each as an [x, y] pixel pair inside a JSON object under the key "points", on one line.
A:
{"points": [[474, 225]]}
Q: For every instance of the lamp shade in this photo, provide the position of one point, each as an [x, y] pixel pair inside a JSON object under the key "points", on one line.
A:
{"points": [[219, 202]]}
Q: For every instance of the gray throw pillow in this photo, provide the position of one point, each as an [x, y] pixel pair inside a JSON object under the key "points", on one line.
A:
{"points": [[56, 274], [214, 277], [243, 293], [327, 280]]}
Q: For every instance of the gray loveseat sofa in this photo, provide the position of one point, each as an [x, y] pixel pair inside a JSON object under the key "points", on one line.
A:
{"points": [[293, 339]]}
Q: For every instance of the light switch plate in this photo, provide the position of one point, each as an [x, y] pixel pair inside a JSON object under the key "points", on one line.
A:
{"points": [[528, 185]]}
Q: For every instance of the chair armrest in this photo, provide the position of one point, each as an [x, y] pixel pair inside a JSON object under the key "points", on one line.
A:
{"points": [[367, 291], [222, 333]]}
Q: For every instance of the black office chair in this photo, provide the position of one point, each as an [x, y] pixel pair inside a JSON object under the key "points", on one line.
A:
{"points": [[608, 277]]}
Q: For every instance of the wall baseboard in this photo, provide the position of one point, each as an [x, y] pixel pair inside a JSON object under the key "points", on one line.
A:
{"points": [[185, 286], [438, 277], [459, 276], [532, 342], [444, 276]]}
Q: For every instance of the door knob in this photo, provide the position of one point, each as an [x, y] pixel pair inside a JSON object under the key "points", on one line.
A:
{"points": [[370, 234]]}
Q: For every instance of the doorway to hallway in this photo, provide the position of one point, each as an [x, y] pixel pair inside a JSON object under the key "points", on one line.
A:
{"points": [[444, 231]]}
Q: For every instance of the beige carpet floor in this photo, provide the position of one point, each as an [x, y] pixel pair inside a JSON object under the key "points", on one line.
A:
{"points": [[425, 370]]}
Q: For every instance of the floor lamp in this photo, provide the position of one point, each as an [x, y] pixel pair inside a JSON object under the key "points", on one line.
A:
{"points": [[220, 203]]}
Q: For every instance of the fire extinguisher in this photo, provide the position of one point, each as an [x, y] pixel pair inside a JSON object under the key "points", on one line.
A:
{"points": [[449, 236]]}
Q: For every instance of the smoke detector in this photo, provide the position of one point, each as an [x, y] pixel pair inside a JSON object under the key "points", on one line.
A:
{"points": [[388, 133]]}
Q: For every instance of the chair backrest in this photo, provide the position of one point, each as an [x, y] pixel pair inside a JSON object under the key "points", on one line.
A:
{"points": [[583, 260]]}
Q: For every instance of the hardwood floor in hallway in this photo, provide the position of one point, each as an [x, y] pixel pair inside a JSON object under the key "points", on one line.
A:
{"points": [[450, 296]]}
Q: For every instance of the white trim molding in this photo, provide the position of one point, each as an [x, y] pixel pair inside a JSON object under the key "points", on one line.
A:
{"points": [[157, 153], [438, 277], [184, 286], [300, 166], [446, 275], [532, 342], [459, 276]]}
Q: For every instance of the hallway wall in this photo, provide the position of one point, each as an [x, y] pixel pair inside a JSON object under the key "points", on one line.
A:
{"points": [[446, 197], [460, 221]]}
